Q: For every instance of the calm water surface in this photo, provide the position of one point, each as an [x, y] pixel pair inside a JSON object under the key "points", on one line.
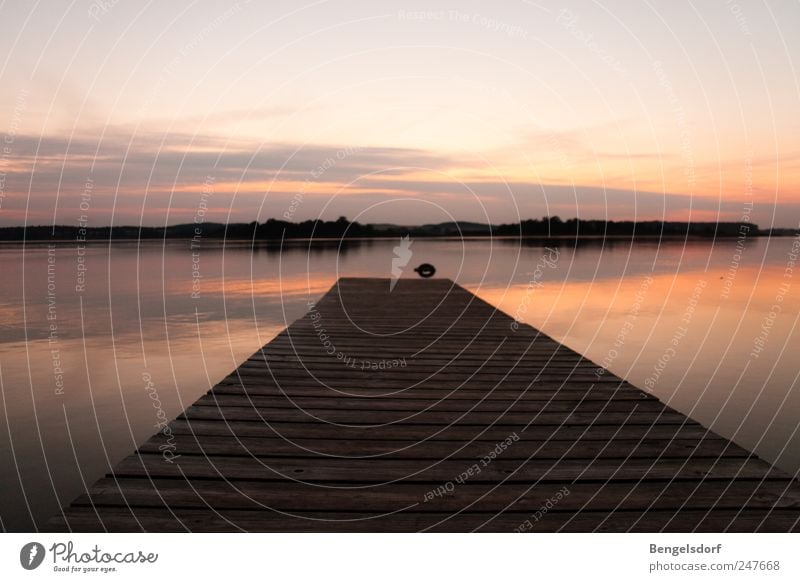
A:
{"points": [[86, 341]]}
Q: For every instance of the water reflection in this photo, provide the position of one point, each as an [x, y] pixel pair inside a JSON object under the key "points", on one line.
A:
{"points": [[154, 313]]}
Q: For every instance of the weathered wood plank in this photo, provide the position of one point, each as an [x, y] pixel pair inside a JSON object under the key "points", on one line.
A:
{"points": [[432, 449], [389, 403], [203, 520], [383, 470], [268, 379], [415, 433], [419, 393], [379, 417], [323, 429], [485, 497]]}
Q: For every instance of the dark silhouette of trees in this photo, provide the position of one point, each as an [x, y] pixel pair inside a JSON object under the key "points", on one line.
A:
{"points": [[274, 229]]}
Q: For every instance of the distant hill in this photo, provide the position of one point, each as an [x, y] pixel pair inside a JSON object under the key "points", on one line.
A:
{"points": [[342, 228], [441, 229], [456, 228], [782, 232]]}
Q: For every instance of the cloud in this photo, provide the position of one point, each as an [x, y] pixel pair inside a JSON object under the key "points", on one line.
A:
{"points": [[154, 178]]}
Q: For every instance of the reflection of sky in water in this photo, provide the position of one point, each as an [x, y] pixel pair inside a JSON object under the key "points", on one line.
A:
{"points": [[137, 316]]}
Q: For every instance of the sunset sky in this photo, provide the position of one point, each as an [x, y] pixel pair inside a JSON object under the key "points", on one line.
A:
{"points": [[142, 112]]}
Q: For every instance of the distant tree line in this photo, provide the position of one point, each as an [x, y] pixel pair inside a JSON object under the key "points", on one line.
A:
{"points": [[554, 226], [272, 229]]}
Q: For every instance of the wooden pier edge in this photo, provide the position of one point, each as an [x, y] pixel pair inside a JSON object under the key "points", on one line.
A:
{"points": [[423, 408]]}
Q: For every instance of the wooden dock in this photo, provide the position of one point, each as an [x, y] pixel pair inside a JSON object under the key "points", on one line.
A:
{"points": [[426, 409]]}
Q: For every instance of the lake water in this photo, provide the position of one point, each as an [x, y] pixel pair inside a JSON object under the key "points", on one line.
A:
{"points": [[89, 336]]}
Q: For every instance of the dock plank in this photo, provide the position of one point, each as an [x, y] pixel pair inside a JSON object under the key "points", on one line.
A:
{"points": [[424, 408]]}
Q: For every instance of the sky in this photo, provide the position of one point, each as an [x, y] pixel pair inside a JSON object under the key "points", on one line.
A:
{"points": [[121, 112]]}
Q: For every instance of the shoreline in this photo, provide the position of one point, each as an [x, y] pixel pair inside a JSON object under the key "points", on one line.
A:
{"points": [[273, 241]]}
